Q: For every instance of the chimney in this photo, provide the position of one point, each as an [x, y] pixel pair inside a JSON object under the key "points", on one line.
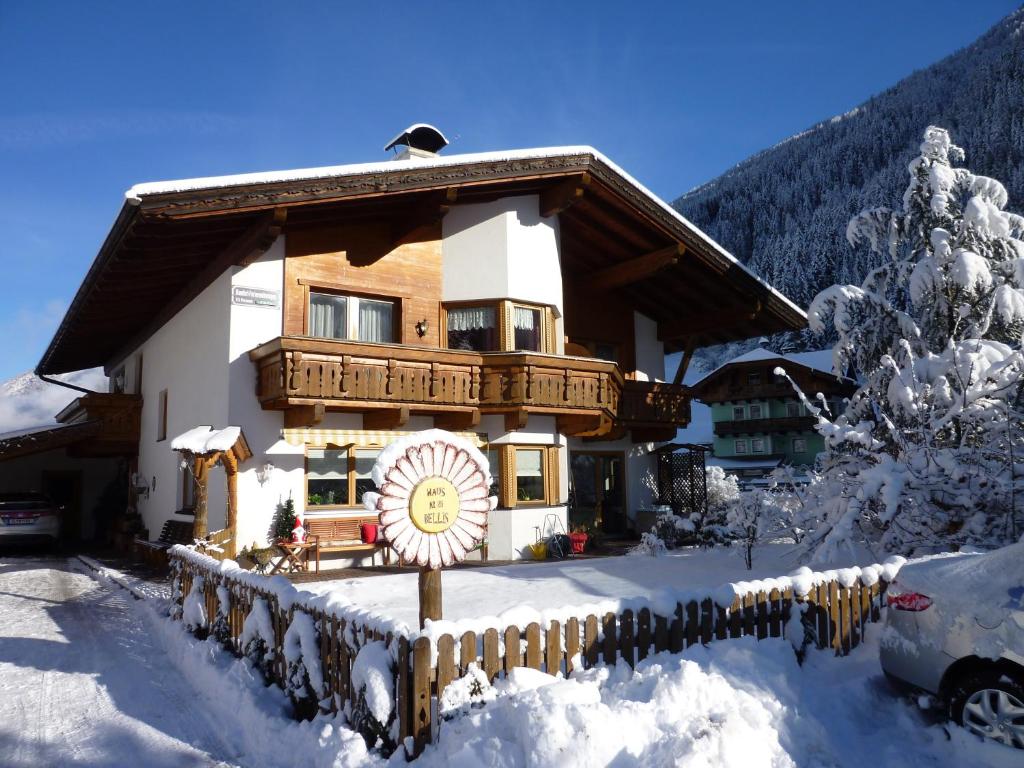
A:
{"points": [[419, 140]]}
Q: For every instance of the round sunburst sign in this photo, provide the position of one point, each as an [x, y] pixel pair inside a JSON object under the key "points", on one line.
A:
{"points": [[433, 497]]}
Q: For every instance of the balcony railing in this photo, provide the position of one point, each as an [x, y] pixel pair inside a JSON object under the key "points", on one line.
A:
{"points": [[118, 416], [750, 426], [358, 376]]}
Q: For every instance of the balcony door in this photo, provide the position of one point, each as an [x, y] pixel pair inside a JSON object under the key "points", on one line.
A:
{"points": [[598, 490]]}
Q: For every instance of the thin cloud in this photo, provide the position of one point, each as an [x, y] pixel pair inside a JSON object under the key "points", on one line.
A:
{"points": [[26, 401]]}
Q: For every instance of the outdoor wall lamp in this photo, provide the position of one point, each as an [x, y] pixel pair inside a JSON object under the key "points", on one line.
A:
{"points": [[422, 327], [264, 472], [140, 486]]}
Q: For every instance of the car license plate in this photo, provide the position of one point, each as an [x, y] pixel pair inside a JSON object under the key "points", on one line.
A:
{"points": [[19, 520]]}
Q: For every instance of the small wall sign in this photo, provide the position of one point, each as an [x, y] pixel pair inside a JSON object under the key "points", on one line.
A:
{"points": [[254, 297], [433, 496]]}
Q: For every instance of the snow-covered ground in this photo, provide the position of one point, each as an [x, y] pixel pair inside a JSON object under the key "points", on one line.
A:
{"points": [[735, 704], [82, 681], [479, 592]]}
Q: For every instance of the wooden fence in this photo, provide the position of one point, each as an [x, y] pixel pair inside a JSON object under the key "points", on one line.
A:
{"points": [[833, 616]]}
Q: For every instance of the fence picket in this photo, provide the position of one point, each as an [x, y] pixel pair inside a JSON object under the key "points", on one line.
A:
{"points": [[403, 690], [762, 614], [707, 618], [660, 633], [553, 649], [533, 654], [608, 627], [590, 649], [774, 613], [643, 634], [692, 622], [626, 637], [821, 610], [513, 655], [736, 617], [835, 626], [446, 671], [721, 622], [572, 643], [421, 694], [491, 654], [467, 651]]}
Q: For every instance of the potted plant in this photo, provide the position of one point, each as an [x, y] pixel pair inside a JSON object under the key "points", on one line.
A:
{"points": [[578, 539]]}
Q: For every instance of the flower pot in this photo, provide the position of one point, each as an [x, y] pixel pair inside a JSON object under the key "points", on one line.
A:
{"points": [[578, 542], [368, 533]]}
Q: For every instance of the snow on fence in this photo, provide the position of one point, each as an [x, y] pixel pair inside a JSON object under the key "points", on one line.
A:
{"points": [[829, 609]]}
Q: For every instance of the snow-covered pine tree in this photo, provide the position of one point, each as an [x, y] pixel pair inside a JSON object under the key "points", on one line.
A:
{"points": [[923, 457]]}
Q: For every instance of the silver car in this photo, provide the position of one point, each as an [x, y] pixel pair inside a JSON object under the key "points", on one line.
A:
{"points": [[28, 516], [955, 629]]}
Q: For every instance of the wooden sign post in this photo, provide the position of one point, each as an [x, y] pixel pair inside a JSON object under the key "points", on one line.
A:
{"points": [[432, 503]]}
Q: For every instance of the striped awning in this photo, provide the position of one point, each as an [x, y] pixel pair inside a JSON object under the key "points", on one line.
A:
{"points": [[371, 438]]}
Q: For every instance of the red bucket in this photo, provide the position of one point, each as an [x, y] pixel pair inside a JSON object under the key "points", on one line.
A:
{"points": [[368, 533]]}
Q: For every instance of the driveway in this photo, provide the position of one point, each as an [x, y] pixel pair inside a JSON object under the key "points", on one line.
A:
{"points": [[81, 682]]}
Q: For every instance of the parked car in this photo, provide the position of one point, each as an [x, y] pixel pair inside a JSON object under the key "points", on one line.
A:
{"points": [[955, 629], [28, 516]]}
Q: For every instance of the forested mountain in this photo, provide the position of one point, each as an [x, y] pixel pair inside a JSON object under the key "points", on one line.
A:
{"points": [[784, 211]]}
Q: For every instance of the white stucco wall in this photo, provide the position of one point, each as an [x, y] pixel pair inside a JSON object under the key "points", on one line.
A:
{"points": [[650, 353], [501, 249], [250, 327], [187, 358]]}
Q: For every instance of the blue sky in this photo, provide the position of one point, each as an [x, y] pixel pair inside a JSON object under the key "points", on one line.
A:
{"points": [[98, 96]]}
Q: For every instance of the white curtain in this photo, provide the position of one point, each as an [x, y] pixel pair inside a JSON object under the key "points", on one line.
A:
{"points": [[526, 319], [327, 316], [470, 318], [375, 321], [528, 463]]}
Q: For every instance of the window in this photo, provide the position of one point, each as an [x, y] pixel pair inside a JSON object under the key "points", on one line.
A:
{"points": [[754, 379], [757, 445], [739, 413], [755, 411], [473, 328], [529, 466], [326, 477], [794, 409], [528, 329], [161, 416], [494, 459], [338, 477], [498, 326], [799, 445], [740, 446], [333, 316]]}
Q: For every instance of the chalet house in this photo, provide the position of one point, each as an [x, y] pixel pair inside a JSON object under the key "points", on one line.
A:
{"points": [[523, 299], [758, 421]]}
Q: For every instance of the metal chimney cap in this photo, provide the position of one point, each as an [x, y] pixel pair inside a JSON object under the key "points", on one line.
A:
{"points": [[422, 136]]}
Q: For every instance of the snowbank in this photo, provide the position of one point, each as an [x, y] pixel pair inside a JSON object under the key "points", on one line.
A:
{"points": [[740, 704]]}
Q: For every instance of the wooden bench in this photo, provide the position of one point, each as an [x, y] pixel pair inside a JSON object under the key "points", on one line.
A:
{"points": [[155, 552], [341, 534]]}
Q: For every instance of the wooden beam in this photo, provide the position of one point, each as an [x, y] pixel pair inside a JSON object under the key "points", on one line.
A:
{"points": [[304, 416], [558, 198], [688, 350], [456, 421], [578, 426], [263, 240], [386, 418], [634, 269], [715, 321], [515, 420]]}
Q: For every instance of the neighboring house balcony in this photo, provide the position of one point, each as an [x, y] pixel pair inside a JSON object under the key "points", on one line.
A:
{"points": [[115, 419], [389, 382], [754, 426]]}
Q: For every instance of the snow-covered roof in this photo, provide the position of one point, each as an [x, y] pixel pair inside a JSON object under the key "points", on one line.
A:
{"points": [[752, 463], [818, 360], [139, 191], [205, 439]]}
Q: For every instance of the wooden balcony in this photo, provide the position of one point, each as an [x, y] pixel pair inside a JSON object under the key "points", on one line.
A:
{"points": [[753, 426], [387, 383], [118, 417]]}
